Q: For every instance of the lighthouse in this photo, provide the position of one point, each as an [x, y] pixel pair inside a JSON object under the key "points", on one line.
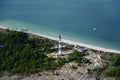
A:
{"points": [[59, 46]]}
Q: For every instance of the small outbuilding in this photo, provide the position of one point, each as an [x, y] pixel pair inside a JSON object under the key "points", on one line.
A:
{"points": [[82, 49]]}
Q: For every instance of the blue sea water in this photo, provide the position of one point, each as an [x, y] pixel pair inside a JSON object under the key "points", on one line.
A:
{"points": [[73, 19]]}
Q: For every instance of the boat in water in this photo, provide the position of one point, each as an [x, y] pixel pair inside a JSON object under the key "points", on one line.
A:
{"points": [[94, 29]]}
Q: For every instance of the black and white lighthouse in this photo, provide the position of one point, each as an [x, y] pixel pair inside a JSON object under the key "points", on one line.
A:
{"points": [[60, 46]]}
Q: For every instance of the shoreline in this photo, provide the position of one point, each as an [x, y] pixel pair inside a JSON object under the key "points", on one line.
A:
{"points": [[73, 42]]}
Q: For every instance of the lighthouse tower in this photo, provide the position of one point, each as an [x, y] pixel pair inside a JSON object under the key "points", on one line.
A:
{"points": [[59, 46]]}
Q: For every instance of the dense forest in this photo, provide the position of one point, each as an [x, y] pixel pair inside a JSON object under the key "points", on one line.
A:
{"points": [[21, 54], [114, 70]]}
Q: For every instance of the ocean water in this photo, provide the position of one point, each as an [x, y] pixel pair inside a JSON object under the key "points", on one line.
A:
{"points": [[73, 19]]}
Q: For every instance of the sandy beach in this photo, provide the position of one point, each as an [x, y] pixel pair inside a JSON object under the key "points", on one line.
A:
{"points": [[74, 43]]}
